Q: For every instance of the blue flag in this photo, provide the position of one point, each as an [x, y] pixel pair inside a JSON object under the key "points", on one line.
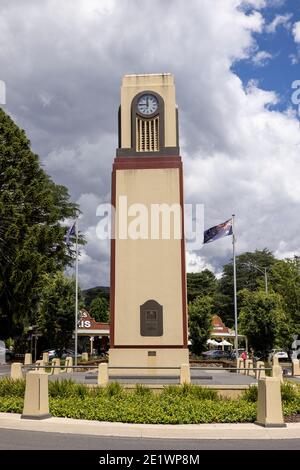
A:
{"points": [[218, 231], [71, 232]]}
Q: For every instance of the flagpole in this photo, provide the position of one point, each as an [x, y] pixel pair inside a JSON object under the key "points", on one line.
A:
{"points": [[76, 293], [234, 292]]}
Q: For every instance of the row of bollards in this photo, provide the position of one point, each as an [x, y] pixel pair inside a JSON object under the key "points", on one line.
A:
{"points": [[55, 367], [247, 368], [269, 405], [45, 359]]}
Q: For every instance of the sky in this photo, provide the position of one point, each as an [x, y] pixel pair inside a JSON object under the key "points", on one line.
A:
{"points": [[234, 64]]}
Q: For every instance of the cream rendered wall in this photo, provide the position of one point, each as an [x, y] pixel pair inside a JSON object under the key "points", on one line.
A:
{"points": [[148, 269], [163, 84]]}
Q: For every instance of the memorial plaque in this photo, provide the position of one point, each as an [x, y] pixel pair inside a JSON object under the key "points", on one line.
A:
{"points": [[151, 318]]}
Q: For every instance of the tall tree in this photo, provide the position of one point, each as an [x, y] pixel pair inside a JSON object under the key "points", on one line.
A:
{"points": [[248, 277], [31, 236], [92, 293], [56, 310], [200, 322], [285, 279], [263, 320], [203, 283], [99, 309]]}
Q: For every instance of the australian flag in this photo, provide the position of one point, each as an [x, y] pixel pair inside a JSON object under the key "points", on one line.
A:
{"points": [[218, 231], [70, 233]]}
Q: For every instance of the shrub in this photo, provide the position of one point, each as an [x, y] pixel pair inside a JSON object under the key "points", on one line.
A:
{"points": [[142, 391], [98, 392], [67, 388], [11, 404], [189, 390], [288, 392], [203, 393], [61, 388], [155, 410], [251, 394], [12, 388], [114, 389]]}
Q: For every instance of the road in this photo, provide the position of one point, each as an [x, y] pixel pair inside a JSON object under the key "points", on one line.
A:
{"points": [[4, 370], [33, 440]]}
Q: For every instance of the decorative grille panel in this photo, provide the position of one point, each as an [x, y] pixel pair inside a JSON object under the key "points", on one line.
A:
{"points": [[147, 134]]}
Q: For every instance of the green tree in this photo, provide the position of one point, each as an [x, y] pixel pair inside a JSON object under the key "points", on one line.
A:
{"points": [[31, 236], [99, 309], [90, 294], [263, 320], [284, 278], [247, 277], [56, 310], [203, 283], [200, 322]]}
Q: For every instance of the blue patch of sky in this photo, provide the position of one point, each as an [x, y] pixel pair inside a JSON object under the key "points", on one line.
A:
{"points": [[278, 72]]}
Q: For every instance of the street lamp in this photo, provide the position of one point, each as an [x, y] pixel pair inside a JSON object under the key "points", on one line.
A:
{"points": [[262, 270]]}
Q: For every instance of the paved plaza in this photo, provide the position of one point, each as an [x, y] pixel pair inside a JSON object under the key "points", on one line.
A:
{"points": [[215, 376]]}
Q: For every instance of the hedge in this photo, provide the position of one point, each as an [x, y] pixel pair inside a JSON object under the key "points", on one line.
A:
{"points": [[175, 405]]}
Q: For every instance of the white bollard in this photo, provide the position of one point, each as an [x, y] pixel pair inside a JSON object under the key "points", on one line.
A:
{"points": [[242, 366], [185, 374], [16, 371], [260, 374], [277, 372], [269, 406], [103, 374], [69, 364], [275, 361], [36, 401], [41, 364], [28, 359], [85, 356], [251, 372], [55, 370], [295, 367], [248, 365], [45, 357]]}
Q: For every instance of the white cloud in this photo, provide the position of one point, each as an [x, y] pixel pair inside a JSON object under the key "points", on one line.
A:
{"points": [[296, 32], [261, 58], [196, 264], [294, 58], [239, 155], [254, 3], [279, 20]]}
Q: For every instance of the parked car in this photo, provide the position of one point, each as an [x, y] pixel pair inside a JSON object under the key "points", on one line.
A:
{"points": [[240, 351], [258, 356], [282, 355], [9, 355], [217, 354], [52, 353]]}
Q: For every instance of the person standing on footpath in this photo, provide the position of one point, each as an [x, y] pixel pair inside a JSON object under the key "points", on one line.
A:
{"points": [[244, 357]]}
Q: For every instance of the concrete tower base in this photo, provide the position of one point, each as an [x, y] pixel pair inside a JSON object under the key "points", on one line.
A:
{"points": [[126, 359]]}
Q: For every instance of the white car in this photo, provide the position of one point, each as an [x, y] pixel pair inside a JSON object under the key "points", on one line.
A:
{"points": [[282, 355]]}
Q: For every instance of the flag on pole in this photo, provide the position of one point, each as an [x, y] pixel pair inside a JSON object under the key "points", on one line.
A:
{"points": [[71, 232], [218, 231]]}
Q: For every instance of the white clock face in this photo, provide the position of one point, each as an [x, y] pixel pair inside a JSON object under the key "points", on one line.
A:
{"points": [[147, 104]]}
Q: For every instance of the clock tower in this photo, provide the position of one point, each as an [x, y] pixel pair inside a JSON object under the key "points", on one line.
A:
{"points": [[148, 311]]}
